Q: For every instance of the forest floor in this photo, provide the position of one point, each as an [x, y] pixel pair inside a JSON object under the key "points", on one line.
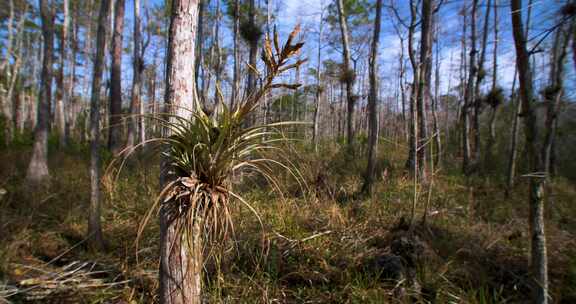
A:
{"points": [[319, 243]]}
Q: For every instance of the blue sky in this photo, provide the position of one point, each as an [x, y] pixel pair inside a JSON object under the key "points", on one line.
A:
{"points": [[307, 13]]}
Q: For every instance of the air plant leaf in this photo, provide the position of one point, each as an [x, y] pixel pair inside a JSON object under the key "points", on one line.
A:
{"points": [[205, 151]]}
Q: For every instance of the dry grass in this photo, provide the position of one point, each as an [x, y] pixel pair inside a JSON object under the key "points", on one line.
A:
{"points": [[316, 247]]}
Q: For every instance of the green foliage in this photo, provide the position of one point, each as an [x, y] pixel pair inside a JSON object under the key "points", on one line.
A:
{"points": [[495, 97], [356, 12]]}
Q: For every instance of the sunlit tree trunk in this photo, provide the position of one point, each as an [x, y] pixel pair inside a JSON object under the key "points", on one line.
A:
{"points": [[115, 128], [180, 265], [469, 93], [480, 75], [412, 161], [372, 103], [539, 261], [62, 94], [423, 95], [513, 156], [199, 47], [38, 167], [316, 122], [96, 240], [555, 91], [134, 133], [236, 80], [435, 101], [348, 75], [253, 46], [494, 108]]}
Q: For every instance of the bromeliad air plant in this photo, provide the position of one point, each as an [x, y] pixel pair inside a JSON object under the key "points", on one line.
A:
{"points": [[205, 151]]}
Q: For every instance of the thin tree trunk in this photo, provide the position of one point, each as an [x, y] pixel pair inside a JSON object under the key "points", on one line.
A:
{"points": [[348, 75], [96, 240], [38, 167], [5, 98], [469, 94], [480, 75], [137, 67], [412, 161], [316, 123], [236, 81], [539, 261], [494, 108], [511, 176], [403, 89], [423, 94], [435, 101], [218, 55], [253, 43], [555, 91], [199, 46], [115, 128], [61, 95], [180, 265], [372, 104]]}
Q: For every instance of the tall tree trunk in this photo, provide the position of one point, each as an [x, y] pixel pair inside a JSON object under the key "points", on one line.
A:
{"points": [[469, 94], [217, 54], [96, 240], [435, 101], [236, 80], [253, 43], [555, 91], [423, 94], [61, 95], [115, 128], [38, 167], [348, 75], [412, 161], [372, 104], [318, 86], [137, 67], [199, 46], [494, 107], [512, 158], [539, 262], [180, 265], [5, 98], [480, 75], [403, 89]]}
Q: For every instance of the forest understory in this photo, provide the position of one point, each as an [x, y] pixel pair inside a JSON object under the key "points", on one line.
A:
{"points": [[321, 243]]}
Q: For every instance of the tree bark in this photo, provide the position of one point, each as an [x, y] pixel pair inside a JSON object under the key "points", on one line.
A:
{"points": [[236, 81], [318, 86], [199, 46], [38, 167], [180, 265], [555, 91], [137, 68], [469, 94], [423, 95], [539, 262], [253, 43], [62, 93], [511, 170], [372, 104], [348, 75], [480, 75], [435, 101], [115, 128], [494, 108], [412, 160], [95, 237]]}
